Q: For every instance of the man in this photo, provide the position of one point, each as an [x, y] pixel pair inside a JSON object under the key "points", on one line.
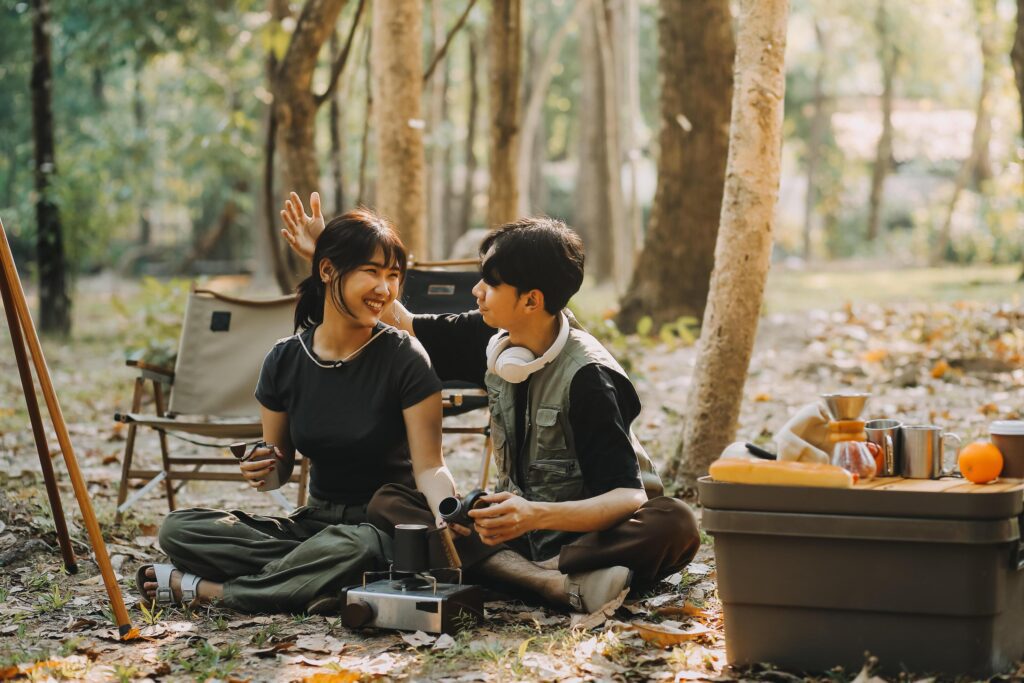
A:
{"points": [[571, 520]]}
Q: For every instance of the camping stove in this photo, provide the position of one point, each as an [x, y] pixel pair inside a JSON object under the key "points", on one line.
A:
{"points": [[411, 601]]}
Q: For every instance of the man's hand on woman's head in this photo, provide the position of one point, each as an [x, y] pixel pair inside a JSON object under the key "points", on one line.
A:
{"points": [[301, 231]]}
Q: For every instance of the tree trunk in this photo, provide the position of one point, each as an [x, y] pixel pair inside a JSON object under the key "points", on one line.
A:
{"points": [[628, 41], [887, 56], [816, 138], [695, 64], [295, 107], [622, 245], [465, 220], [436, 121], [505, 45], [1017, 59], [54, 302], [54, 299], [366, 194], [533, 114], [139, 114], [593, 213], [976, 164], [337, 136], [743, 251], [397, 67]]}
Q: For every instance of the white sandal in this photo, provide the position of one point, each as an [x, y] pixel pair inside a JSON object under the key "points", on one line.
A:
{"points": [[164, 594]]}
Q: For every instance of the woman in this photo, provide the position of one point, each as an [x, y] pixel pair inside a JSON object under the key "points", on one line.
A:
{"points": [[355, 396]]}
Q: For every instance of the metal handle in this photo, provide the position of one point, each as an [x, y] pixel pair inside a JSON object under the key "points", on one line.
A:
{"points": [[952, 470], [890, 456], [1017, 551]]}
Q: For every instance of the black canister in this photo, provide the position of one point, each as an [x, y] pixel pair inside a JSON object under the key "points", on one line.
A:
{"points": [[410, 548]]}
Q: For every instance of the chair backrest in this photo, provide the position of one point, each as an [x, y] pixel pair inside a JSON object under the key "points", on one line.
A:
{"points": [[223, 343], [439, 291]]}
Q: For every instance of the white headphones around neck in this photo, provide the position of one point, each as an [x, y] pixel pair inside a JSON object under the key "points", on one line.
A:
{"points": [[515, 363]]}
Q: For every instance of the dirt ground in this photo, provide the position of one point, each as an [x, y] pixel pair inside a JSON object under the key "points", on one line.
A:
{"points": [[956, 364]]}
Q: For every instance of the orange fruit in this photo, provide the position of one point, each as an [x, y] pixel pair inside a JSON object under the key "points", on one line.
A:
{"points": [[980, 462]]}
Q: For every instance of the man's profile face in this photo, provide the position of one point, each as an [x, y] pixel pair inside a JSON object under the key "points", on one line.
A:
{"points": [[499, 303]]}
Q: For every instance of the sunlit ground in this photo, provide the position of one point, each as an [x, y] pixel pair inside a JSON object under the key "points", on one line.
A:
{"points": [[792, 291]]}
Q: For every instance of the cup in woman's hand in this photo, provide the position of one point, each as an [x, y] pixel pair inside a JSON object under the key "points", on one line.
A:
{"points": [[260, 465]]}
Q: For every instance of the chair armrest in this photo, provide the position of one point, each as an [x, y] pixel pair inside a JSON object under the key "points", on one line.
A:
{"points": [[151, 371]]}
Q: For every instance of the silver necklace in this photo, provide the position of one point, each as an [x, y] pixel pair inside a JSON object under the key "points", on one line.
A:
{"points": [[330, 365]]}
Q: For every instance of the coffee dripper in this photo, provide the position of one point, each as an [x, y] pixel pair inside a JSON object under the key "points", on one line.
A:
{"points": [[846, 433]]}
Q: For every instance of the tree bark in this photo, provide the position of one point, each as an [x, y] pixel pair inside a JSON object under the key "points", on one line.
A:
{"points": [[816, 137], [436, 122], [366, 194], [696, 53], [593, 212], [337, 136], [743, 251], [505, 45], [887, 57], [975, 166], [628, 40], [1017, 59], [139, 115], [397, 67], [54, 299], [295, 107], [465, 220], [622, 245]]}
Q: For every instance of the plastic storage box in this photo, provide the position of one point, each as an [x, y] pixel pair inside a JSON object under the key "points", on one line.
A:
{"points": [[928, 576]]}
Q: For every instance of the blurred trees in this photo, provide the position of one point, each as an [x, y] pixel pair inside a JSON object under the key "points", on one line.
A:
{"points": [[165, 117]]}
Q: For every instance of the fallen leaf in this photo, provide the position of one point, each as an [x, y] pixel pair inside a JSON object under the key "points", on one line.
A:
{"points": [[344, 676], [874, 355], [667, 636], [939, 369], [763, 398], [698, 569], [443, 642], [418, 639], [602, 614], [324, 644], [688, 610], [302, 659], [989, 409]]}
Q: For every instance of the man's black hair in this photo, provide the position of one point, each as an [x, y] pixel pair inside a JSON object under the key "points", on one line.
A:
{"points": [[535, 253]]}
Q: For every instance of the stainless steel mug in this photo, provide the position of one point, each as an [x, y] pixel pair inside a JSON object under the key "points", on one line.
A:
{"points": [[886, 435], [922, 451]]}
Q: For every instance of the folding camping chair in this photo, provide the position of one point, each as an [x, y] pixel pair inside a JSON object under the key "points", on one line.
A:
{"points": [[223, 342], [432, 287]]}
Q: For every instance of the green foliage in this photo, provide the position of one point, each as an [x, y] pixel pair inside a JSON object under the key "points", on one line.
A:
{"points": [[151, 616], [151, 320]]}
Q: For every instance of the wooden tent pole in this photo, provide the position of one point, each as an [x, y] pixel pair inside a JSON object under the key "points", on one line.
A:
{"points": [[38, 433], [10, 274]]}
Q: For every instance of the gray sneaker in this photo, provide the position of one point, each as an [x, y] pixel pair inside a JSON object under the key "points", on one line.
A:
{"points": [[590, 591]]}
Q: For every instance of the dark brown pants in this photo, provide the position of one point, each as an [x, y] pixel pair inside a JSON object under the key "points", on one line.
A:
{"points": [[659, 539]]}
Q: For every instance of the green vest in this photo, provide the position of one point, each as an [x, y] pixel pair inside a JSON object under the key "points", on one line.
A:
{"points": [[548, 468]]}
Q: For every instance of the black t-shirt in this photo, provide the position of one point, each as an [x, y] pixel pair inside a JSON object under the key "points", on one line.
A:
{"points": [[348, 420], [602, 403]]}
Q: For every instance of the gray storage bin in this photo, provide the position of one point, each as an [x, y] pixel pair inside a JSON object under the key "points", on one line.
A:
{"points": [[820, 585]]}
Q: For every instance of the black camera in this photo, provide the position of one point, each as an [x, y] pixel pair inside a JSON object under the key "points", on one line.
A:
{"points": [[455, 510]]}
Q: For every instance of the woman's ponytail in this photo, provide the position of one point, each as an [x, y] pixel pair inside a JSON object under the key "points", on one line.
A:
{"points": [[309, 309]]}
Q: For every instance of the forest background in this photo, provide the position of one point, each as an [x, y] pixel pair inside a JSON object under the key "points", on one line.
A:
{"points": [[853, 201], [159, 142]]}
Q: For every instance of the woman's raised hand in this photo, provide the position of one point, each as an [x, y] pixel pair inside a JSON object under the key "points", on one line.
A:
{"points": [[301, 231]]}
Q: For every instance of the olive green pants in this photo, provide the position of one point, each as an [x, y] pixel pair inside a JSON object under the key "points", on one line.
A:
{"points": [[276, 564]]}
